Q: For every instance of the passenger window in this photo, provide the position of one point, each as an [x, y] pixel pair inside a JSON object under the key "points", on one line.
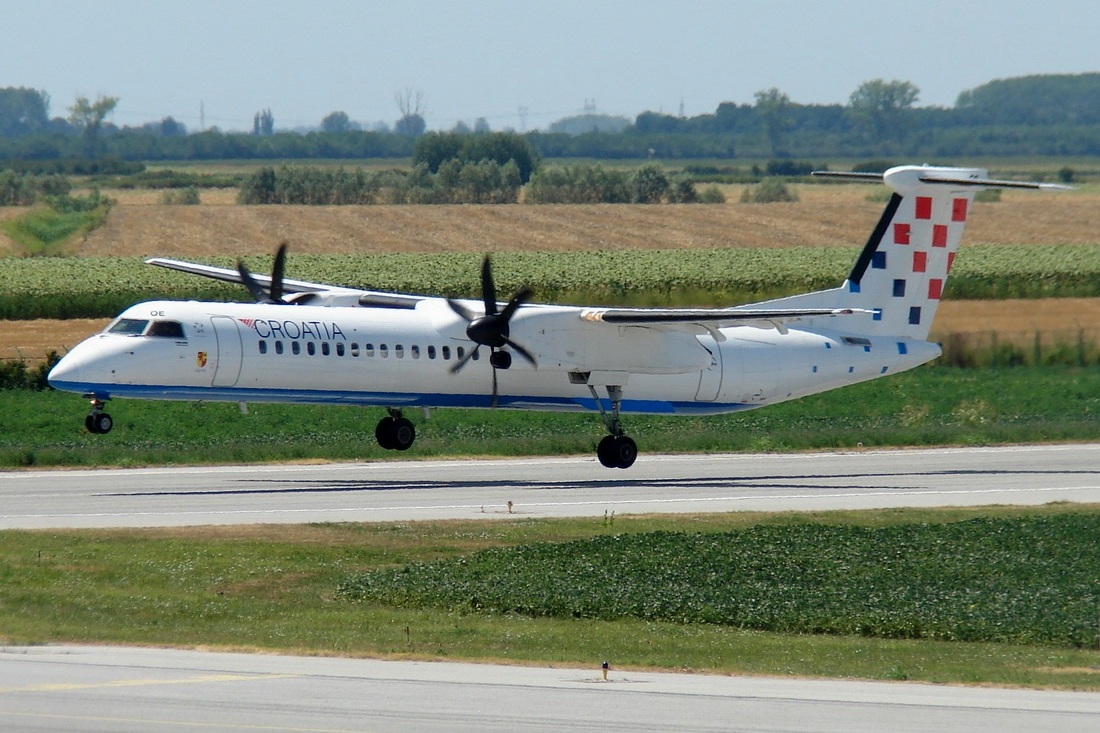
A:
{"points": [[431, 352], [383, 351], [324, 348], [368, 350], [355, 350], [447, 353], [460, 352], [278, 347], [311, 348], [339, 348], [166, 329], [477, 355], [399, 351], [263, 347], [415, 351], [295, 347]]}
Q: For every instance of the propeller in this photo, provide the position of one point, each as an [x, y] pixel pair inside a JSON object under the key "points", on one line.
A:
{"points": [[491, 328], [274, 294]]}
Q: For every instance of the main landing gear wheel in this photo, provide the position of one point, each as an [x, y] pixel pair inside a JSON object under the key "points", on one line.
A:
{"points": [[395, 433], [617, 451]]}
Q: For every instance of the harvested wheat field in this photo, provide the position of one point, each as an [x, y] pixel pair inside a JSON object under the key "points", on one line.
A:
{"points": [[825, 216]]}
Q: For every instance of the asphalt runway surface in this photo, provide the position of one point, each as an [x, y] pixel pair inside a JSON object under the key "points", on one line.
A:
{"points": [[122, 689], [548, 487], [83, 689]]}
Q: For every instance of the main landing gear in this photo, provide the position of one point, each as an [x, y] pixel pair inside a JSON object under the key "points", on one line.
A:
{"points": [[395, 432], [98, 421], [615, 450]]}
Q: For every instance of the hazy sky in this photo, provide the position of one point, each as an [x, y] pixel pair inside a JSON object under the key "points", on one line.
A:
{"points": [[489, 58]]}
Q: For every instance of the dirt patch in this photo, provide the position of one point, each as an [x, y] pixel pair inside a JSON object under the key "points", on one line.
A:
{"points": [[32, 340]]}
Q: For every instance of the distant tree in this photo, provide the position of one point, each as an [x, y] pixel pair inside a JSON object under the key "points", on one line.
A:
{"points": [[169, 127], [879, 107], [263, 123], [481, 126], [336, 122], [1046, 99], [434, 148], [88, 117], [461, 128], [411, 105], [23, 111], [773, 107], [591, 122], [649, 184]]}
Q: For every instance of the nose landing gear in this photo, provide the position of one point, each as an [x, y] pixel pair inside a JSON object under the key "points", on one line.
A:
{"points": [[98, 421]]}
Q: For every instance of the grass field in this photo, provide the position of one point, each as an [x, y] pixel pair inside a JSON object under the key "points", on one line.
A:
{"points": [[274, 588], [926, 406]]}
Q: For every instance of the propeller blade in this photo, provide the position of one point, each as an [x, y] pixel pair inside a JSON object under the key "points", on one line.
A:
{"points": [[464, 360], [257, 290], [517, 300], [488, 288], [521, 351], [277, 273], [461, 310]]}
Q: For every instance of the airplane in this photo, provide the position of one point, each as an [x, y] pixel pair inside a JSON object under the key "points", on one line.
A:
{"points": [[304, 342]]}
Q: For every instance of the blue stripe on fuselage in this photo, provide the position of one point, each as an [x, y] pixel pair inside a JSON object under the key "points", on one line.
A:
{"points": [[391, 399]]}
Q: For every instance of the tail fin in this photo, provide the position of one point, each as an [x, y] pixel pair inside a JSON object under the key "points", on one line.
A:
{"points": [[901, 272]]}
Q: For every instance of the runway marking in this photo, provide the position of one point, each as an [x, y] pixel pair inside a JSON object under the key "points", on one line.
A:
{"points": [[66, 686], [386, 465], [595, 502], [158, 723]]}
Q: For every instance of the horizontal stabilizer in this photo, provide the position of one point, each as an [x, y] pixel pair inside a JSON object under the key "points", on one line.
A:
{"points": [[867, 177]]}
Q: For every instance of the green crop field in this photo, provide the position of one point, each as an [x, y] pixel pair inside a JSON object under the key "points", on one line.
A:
{"points": [[90, 287], [1021, 580]]}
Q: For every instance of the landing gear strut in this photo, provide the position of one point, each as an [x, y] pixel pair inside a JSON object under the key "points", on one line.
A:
{"points": [[98, 421], [395, 432], [615, 450]]}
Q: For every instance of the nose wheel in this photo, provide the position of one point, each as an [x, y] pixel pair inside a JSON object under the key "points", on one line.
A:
{"points": [[98, 421]]}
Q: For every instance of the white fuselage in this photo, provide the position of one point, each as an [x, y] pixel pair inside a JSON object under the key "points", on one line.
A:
{"points": [[402, 357]]}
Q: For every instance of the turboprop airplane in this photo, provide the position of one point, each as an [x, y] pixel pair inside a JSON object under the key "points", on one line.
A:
{"points": [[305, 342]]}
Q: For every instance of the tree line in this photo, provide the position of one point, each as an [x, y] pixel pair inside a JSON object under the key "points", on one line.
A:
{"points": [[1035, 115]]}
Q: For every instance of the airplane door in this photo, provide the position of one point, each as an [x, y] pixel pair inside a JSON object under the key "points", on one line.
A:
{"points": [[710, 379], [227, 369]]}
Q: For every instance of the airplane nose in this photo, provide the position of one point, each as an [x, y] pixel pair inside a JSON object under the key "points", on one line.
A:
{"points": [[66, 371]]}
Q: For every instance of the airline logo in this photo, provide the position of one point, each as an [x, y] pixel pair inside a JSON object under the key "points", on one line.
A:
{"points": [[269, 328], [200, 359]]}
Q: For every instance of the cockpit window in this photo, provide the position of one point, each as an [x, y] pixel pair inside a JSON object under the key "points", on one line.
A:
{"points": [[166, 329], [128, 326]]}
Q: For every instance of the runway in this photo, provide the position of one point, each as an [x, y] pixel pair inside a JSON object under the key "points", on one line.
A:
{"points": [[121, 689], [77, 689], [548, 487]]}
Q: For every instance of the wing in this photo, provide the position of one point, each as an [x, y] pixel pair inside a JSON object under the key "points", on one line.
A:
{"points": [[366, 298], [708, 319]]}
